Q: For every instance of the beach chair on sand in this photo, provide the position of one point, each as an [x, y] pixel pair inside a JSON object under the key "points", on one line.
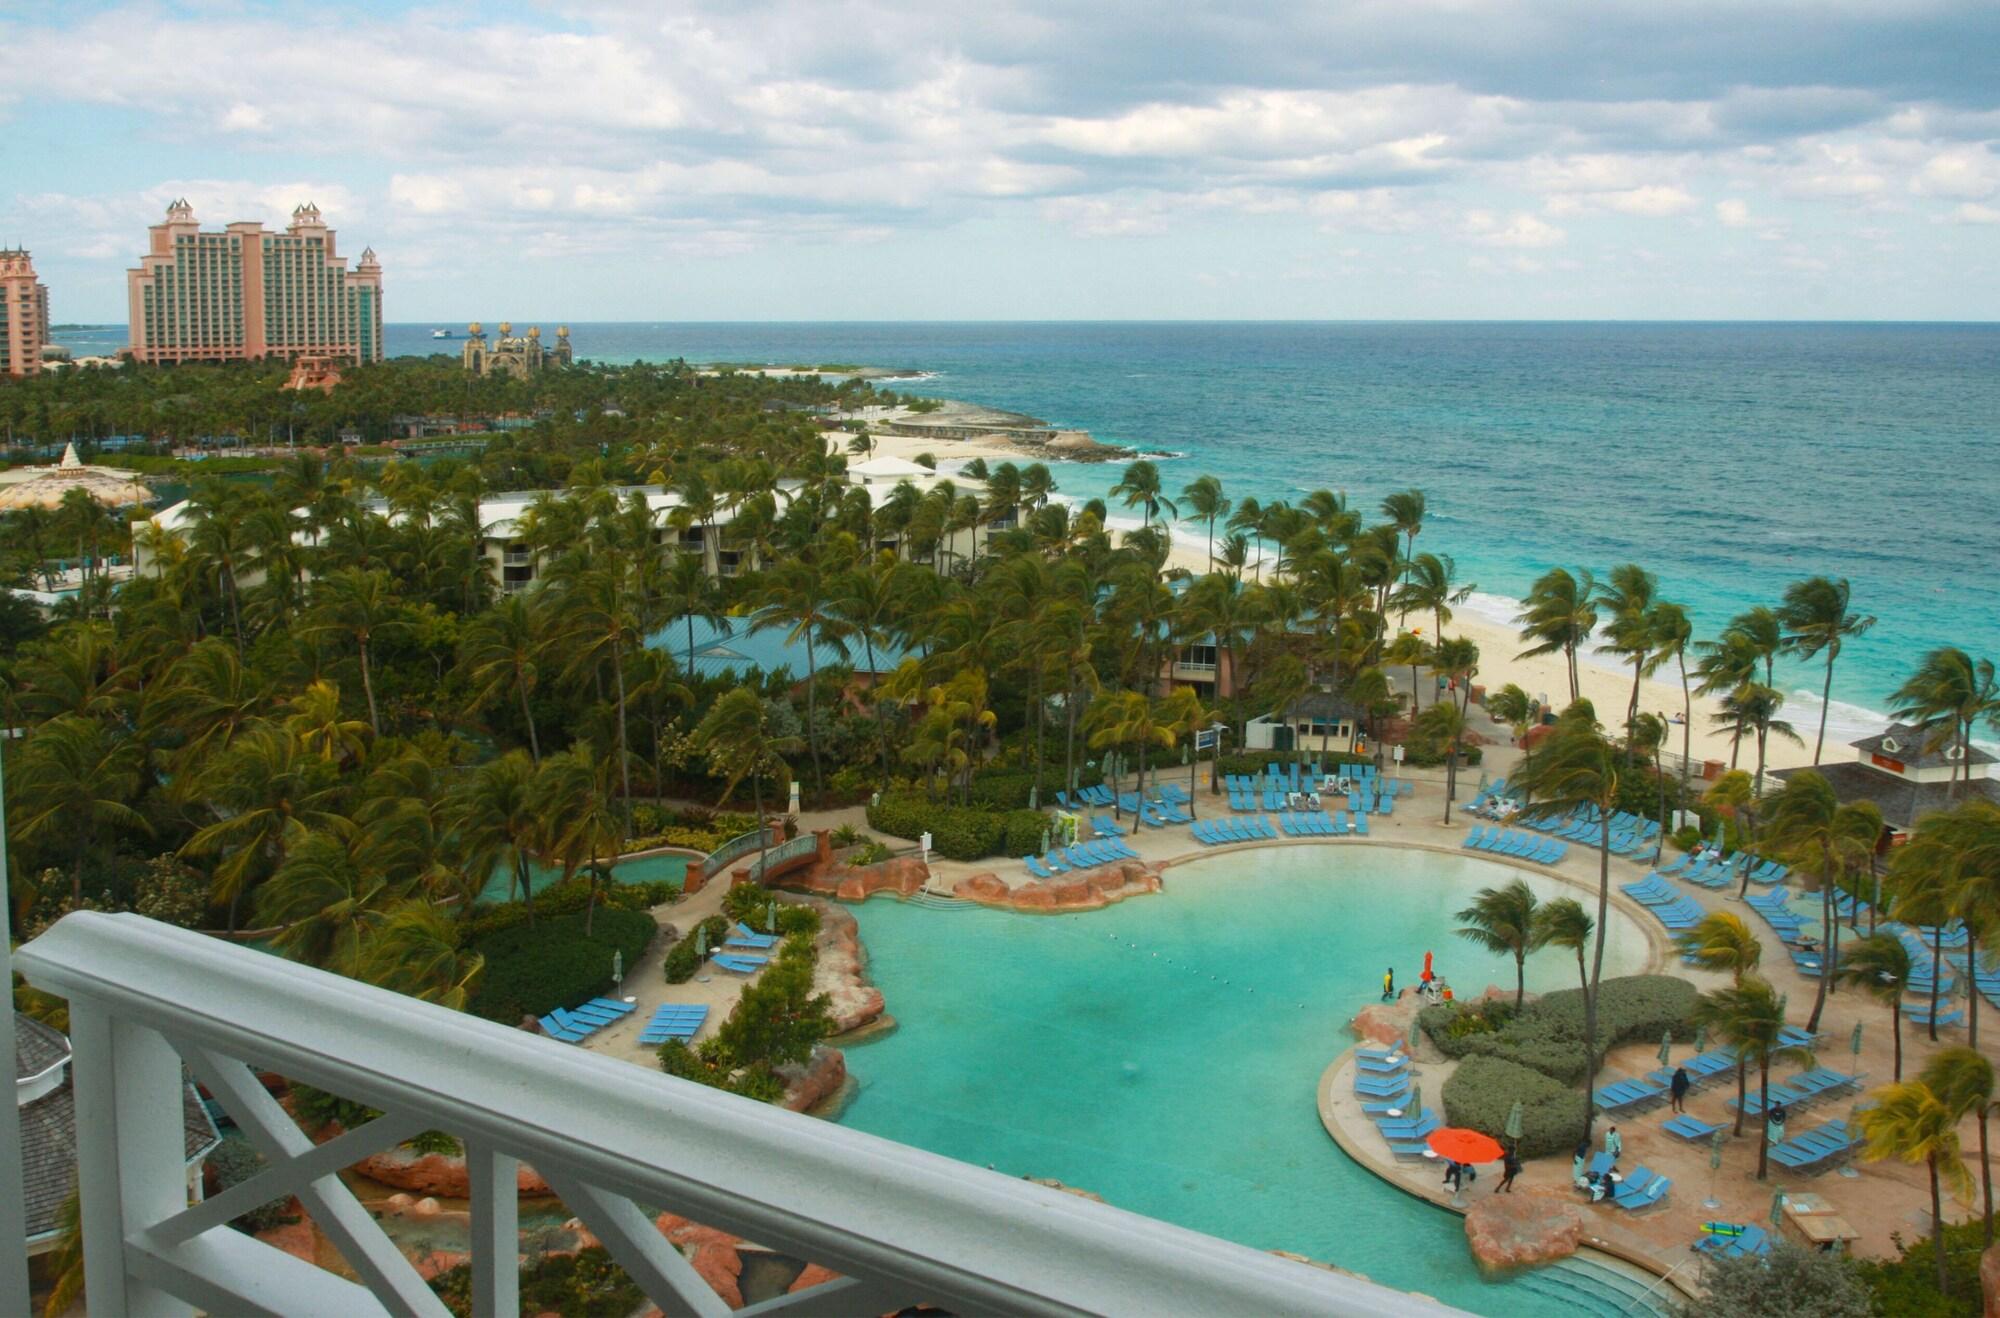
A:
{"points": [[556, 1029], [1105, 827], [744, 936], [1361, 825], [1688, 1128], [741, 965]]}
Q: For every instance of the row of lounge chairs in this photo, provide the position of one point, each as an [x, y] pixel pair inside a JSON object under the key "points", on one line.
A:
{"points": [[1642, 1187], [1382, 1082], [1082, 856], [1630, 835], [579, 1023], [1806, 1087], [1314, 823], [674, 1020], [1701, 1068], [1623, 1095], [1776, 911], [1223, 832], [1818, 1149], [1676, 910], [1508, 842]]}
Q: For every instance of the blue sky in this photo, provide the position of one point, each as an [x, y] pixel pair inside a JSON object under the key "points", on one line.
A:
{"points": [[876, 159]]}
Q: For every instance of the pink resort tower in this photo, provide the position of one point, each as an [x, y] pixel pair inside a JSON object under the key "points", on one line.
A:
{"points": [[24, 314], [245, 292]]}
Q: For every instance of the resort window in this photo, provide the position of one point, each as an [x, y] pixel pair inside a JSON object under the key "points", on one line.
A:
{"points": [[1196, 656]]}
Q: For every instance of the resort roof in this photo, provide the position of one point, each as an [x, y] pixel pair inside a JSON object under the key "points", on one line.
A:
{"points": [[1323, 706], [732, 649], [888, 469], [1901, 800], [1909, 744], [46, 488], [48, 1126]]}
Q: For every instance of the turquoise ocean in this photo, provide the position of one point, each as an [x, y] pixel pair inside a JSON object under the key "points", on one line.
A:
{"points": [[1727, 458]]}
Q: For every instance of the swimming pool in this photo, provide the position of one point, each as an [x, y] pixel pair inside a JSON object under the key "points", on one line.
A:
{"points": [[1163, 1052], [642, 869]]}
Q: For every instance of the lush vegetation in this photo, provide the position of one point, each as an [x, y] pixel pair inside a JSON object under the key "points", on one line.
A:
{"points": [[531, 970], [1908, 1287], [585, 1284], [1547, 1034], [1483, 1090], [776, 1021], [1790, 1280]]}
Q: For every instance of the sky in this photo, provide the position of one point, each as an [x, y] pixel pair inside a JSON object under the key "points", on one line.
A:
{"points": [[1096, 159]]}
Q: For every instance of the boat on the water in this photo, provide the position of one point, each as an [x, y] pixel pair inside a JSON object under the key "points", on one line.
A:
{"points": [[442, 334]]}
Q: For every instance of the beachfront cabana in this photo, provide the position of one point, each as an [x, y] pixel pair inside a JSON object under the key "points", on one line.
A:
{"points": [[1907, 773], [48, 487]]}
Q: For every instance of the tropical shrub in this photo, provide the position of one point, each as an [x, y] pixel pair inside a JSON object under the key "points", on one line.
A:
{"points": [[685, 957], [1481, 1092], [315, 1108], [171, 892], [776, 1022], [1792, 1279], [798, 920], [570, 898], [1009, 791], [586, 1284], [847, 835], [1251, 762], [532, 971], [235, 1162], [1547, 1035], [1907, 1284]]}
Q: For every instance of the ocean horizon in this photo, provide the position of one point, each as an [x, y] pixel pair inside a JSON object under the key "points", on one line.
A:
{"points": [[1728, 457]]}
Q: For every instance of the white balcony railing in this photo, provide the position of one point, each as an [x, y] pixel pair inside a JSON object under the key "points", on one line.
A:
{"points": [[900, 1225]]}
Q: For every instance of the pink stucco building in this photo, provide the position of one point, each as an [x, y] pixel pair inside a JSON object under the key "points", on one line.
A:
{"points": [[246, 292], [24, 314]]}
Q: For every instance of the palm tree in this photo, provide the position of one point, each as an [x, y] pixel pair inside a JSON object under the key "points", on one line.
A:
{"points": [[1963, 845], [1140, 488], [867, 602], [1750, 1017], [1923, 881], [1409, 648], [1562, 922], [499, 649], [1962, 1079], [492, 821], [1727, 665], [795, 598], [1673, 632], [1125, 720], [1502, 920], [1629, 597], [324, 903], [1953, 691], [417, 950], [571, 793], [1816, 620], [1431, 586], [1446, 723], [206, 699], [739, 743], [1249, 519], [266, 791], [317, 725], [1911, 1123], [689, 593], [1755, 706], [1205, 503], [1723, 942], [599, 625], [1807, 824], [1879, 965], [361, 605], [1405, 511], [74, 783], [1578, 770], [1559, 614]]}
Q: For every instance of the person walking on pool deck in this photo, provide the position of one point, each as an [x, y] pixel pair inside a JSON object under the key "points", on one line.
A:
{"points": [[1679, 1087], [1582, 1157], [1510, 1167], [1452, 1175], [1389, 984], [1614, 1144]]}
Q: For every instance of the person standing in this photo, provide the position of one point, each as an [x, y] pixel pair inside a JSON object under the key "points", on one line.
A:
{"points": [[1389, 984], [1510, 1167], [1679, 1087], [1453, 1176], [1614, 1144], [1577, 1163]]}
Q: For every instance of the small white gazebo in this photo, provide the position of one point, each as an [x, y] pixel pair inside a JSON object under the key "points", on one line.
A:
{"points": [[47, 487]]}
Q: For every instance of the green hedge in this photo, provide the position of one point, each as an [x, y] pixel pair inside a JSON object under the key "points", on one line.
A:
{"points": [[569, 899], [1548, 1034], [1009, 791], [958, 832], [684, 958], [1248, 762], [1482, 1090], [532, 971]]}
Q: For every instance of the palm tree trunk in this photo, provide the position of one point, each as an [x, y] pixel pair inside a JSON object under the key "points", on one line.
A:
{"points": [[1520, 978], [812, 705], [527, 888], [875, 688], [534, 741], [690, 632], [1597, 966], [1040, 712], [1450, 778], [1763, 1117], [1742, 1092], [1687, 728], [1826, 949], [1896, 1028], [624, 754], [1986, 1171], [1972, 995], [1069, 733], [368, 689], [1937, 963], [1825, 698], [1937, 1227]]}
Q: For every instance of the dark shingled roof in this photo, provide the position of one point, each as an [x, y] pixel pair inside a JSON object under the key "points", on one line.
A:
{"points": [[36, 1046], [1901, 801], [48, 1130], [1909, 746], [1322, 705]]}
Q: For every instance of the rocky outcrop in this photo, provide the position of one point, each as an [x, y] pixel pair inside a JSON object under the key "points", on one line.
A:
{"points": [[1085, 891], [1522, 1229], [435, 1173], [901, 875], [1384, 1022], [818, 1080], [841, 972]]}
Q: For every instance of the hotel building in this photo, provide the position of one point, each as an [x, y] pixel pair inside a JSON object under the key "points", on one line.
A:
{"points": [[24, 314], [245, 292]]}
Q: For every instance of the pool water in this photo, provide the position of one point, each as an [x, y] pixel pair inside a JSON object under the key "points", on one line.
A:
{"points": [[644, 869], [1165, 1052]]}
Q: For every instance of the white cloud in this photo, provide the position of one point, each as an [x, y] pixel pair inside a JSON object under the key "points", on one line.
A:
{"points": [[1521, 230], [1972, 212], [1965, 172], [1734, 212]]}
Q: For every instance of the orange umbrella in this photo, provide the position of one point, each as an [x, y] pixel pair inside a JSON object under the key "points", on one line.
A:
{"points": [[1461, 1145]]}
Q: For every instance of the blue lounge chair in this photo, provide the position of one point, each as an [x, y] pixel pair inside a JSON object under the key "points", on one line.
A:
{"points": [[1920, 1014], [1105, 827], [556, 1029], [1340, 821], [1035, 869], [1636, 1193], [741, 965], [1753, 1104], [744, 936], [1384, 1104], [1361, 825], [1688, 1128]]}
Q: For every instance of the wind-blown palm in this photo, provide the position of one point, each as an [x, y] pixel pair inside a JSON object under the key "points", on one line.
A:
{"points": [[499, 651], [1880, 966], [1910, 1123], [1205, 502], [267, 790], [1750, 1017], [416, 949], [1140, 488], [325, 903], [361, 606], [74, 783], [1807, 825], [1954, 692], [1818, 620], [1962, 846], [1558, 615], [1502, 920], [1723, 942], [493, 823], [1962, 1079], [737, 739], [1562, 922]]}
